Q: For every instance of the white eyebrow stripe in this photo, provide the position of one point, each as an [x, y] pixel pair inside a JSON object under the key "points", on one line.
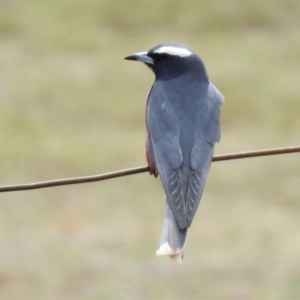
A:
{"points": [[182, 52]]}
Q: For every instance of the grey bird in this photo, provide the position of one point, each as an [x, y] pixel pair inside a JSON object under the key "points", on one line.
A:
{"points": [[183, 125]]}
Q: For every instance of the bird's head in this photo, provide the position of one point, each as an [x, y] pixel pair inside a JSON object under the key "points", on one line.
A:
{"points": [[169, 60]]}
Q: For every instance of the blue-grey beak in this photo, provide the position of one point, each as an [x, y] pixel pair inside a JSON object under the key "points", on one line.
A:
{"points": [[141, 56]]}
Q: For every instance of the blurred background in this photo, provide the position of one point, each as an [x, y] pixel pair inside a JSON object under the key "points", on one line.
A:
{"points": [[71, 106]]}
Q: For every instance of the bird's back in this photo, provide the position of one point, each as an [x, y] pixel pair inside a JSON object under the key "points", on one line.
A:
{"points": [[175, 119]]}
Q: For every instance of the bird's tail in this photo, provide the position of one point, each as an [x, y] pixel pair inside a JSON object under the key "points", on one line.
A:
{"points": [[173, 239]]}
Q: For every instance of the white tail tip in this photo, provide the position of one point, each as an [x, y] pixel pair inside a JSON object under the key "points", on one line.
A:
{"points": [[165, 249]]}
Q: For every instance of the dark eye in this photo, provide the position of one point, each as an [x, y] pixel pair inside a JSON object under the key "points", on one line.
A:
{"points": [[164, 56]]}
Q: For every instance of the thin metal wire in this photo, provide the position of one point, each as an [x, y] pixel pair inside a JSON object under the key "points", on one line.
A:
{"points": [[85, 179]]}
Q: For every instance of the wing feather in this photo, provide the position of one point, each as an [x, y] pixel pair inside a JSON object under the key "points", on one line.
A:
{"points": [[207, 134]]}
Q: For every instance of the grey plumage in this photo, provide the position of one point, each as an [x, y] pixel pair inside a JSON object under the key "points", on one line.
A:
{"points": [[182, 116]]}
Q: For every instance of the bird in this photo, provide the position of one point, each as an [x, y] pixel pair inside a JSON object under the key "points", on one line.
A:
{"points": [[182, 126]]}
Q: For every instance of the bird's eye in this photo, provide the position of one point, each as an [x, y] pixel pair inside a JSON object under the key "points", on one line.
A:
{"points": [[164, 56]]}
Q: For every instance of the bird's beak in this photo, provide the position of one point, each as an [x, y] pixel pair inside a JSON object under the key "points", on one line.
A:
{"points": [[141, 56]]}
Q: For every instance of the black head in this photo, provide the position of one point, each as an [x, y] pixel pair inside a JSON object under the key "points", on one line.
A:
{"points": [[170, 60]]}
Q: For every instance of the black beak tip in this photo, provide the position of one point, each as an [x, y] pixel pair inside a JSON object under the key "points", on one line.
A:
{"points": [[142, 57], [131, 57]]}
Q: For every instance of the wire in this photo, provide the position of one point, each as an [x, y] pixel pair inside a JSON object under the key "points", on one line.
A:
{"points": [[85, 179]]}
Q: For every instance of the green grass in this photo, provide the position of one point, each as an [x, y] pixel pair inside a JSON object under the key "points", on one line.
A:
{"points": [[71, 106]]}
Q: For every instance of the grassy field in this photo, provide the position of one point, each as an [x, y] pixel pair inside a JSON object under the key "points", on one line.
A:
{"points": [[71, 106]]}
